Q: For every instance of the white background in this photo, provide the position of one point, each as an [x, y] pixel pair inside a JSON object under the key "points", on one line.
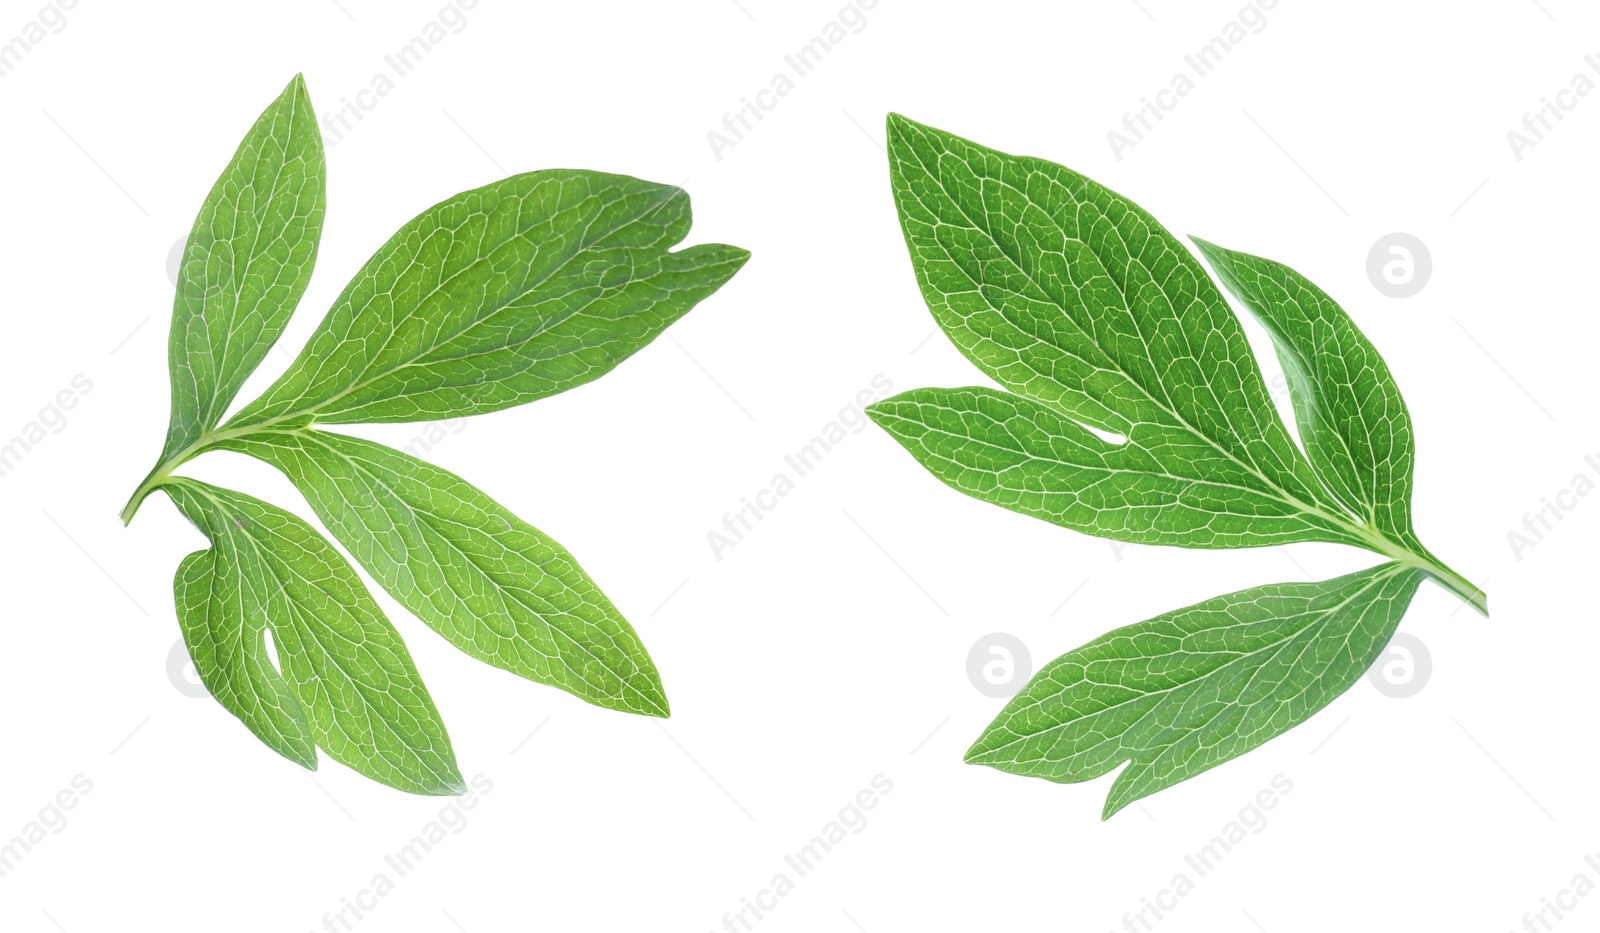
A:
{"points": [[830, 645]]}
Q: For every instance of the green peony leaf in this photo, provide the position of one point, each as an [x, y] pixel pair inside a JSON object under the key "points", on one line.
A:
{"points": [[496, 587], [348, 684], [224, 621], [1132, 408], [1188, 690], [246, 263], [495, 297], [1024, 455], [1149, 420], [498, 296], [1352, 420], [1072, 296]]}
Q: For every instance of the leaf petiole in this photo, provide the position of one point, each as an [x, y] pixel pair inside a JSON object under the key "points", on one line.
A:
{"points": [[163, 471], [1455, 583], [1419, 558]]}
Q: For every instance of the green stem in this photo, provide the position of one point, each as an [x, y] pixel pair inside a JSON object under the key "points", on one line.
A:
{"points": [[1419, 558], [163, 470], [1412, 555], [157, 476], [1454, 582]]}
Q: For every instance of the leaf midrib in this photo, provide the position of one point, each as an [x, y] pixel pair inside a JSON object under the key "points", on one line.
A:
{"points": [[419, 519], [1188, 481], [1319, 628], [1314, 366], [1320, 619], [236, 648], [1283, 495], [211, 416], [309, 631], [583, 246]]}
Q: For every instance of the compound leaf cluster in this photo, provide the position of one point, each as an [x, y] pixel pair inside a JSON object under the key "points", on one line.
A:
{"points": [[1131, 407], [495, 297]]}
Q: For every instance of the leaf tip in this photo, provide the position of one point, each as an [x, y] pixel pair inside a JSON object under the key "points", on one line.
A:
{"points": [[1122, 792], [979, 751], [896, 124], [447, 782], [1207, 248], [652, 696], [884, 410]]}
